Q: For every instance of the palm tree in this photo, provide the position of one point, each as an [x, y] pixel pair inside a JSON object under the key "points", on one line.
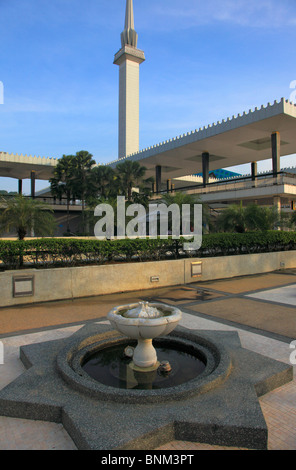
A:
{"points": [[104, 181], [62, 182], [261, 218], [131, 174], [82, 164], [237, 218], [24, 215], [181, 198], [232, 219], [293, 219]]}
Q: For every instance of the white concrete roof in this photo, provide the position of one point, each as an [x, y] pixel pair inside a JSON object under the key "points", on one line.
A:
{"points": [[20, 166], [234, 141]]}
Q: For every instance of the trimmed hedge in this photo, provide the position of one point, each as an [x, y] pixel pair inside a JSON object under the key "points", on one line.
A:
{"points": [[55, 252]]}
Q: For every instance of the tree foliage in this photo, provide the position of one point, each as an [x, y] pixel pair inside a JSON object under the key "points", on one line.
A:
{"points": [[72, 178], [62, 183], [104, 181], [180, 198], [131, 174], [78, 177], [25, 215], [253, 217]]}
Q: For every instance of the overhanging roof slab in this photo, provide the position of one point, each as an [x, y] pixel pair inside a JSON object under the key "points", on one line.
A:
{"points": [[242, 139], [21, 166]]}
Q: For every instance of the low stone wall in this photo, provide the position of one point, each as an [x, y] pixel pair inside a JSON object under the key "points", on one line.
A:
{"points": [[43, 285]]}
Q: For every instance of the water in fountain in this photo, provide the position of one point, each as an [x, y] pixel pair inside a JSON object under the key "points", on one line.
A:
{"points": [[111, 366], [141, 365]]}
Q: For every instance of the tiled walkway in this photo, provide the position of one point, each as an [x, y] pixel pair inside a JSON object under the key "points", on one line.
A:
{"points": [[261, 308]]}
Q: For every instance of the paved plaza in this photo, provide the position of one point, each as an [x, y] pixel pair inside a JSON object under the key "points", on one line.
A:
{"points": [[260, 308]]}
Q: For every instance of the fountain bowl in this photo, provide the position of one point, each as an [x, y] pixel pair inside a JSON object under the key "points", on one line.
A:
{"points": [[145, 327], [144, 321]]}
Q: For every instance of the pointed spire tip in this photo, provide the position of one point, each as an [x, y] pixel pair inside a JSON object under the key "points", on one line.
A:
{"points": [[129, 35]]}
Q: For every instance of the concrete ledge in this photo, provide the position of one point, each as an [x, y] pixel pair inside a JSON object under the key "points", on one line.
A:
{"points": [[77, 282]]}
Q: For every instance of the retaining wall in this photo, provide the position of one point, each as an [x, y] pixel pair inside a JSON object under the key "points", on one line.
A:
{"points": [[42, 285]]}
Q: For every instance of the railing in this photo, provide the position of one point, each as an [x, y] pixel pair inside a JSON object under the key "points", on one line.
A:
{"points": [[245, 182], [48, 199], [57, 202]]}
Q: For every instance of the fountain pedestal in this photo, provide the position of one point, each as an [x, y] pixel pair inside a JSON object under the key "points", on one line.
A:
{"points": [[144, 321], [145, 356]]}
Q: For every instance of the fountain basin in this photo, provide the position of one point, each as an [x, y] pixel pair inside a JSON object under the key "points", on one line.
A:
{"points": [[144, 321], [72, 358], [147, 327], [178, 364]]}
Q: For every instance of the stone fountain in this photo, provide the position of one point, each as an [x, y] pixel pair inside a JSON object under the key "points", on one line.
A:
{"points": [[144, 322], [210, 395]]}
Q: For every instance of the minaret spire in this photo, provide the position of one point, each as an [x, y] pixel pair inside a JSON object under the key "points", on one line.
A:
{"points": [[129, 36], [128, 58], [129, 15]]}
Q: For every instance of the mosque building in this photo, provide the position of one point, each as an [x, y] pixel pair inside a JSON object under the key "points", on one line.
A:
{"points": [[195, 162]]}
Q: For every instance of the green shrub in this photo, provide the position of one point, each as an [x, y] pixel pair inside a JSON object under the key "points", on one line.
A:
{"points": [[55, 252]]}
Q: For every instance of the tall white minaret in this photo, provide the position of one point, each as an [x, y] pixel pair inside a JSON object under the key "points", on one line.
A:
{"points": [[129, 59]]}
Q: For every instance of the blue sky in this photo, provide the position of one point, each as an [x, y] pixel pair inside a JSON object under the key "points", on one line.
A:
{"points": [[205, 61]]}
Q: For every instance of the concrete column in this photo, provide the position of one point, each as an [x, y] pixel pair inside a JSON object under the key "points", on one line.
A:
{"points": [[33, 176], [169, 185], [205, 167], [20, 186], [128, 121], [254, 170], [158, 178], [276, 152], [277, 203]]}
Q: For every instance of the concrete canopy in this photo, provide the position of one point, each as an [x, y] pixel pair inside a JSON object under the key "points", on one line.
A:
{"points": [[21, 166], [242, 139]]}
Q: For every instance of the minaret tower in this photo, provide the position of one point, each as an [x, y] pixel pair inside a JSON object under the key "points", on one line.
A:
{"points": [[129, 59]]}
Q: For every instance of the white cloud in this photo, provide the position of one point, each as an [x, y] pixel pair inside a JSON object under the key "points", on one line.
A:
{"points": [[250, 13]]}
